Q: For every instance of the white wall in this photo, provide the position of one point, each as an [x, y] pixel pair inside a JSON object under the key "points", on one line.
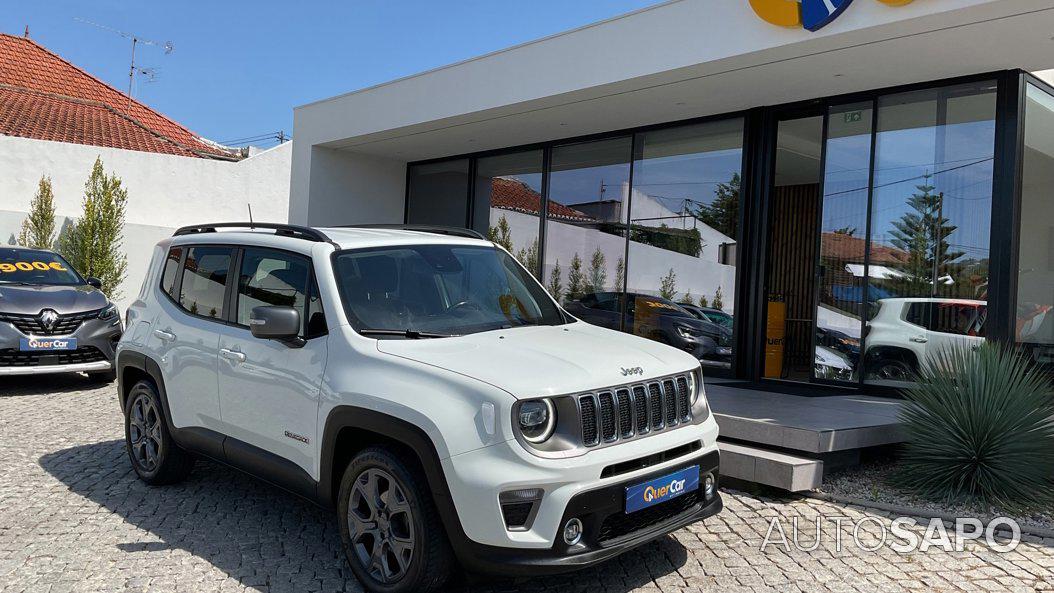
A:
{"points": [[648, 264], [164, 191], [345, 187]]}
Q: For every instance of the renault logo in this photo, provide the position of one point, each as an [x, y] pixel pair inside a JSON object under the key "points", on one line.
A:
{"points": [[48, 319]]}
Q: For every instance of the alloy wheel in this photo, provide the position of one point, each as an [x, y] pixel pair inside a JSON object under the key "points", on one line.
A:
{"points": [[144, 432], [380, 523]]}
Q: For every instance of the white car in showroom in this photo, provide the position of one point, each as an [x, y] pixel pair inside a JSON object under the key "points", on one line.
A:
{"points": [[423, 385], [906, 333]]}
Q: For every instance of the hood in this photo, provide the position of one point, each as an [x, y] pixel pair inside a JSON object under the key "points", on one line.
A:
{"points": [[546, 360], [707, 327], [30, 300]]}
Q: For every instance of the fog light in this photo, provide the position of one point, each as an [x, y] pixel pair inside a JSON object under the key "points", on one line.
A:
{"points": [[708, 486], [572, 532]]}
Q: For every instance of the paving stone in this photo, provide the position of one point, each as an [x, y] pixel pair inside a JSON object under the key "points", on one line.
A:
{"points": [[73, 518]]}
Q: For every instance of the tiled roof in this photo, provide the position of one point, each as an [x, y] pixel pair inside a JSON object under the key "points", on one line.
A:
{"points": [[38, 83], [30, 114], [841, 246], [513, 194]]}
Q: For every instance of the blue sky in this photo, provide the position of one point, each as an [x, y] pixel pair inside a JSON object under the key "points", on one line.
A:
{"points": [[239, 68]]}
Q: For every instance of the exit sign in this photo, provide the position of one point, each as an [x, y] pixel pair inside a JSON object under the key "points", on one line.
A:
{"points": [[853, 116]]}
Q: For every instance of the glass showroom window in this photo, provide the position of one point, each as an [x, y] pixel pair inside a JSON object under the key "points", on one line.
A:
{"points": [[931, 214], [508, 202], [585, 230], [1035, 281], [439, 194], [843, 244], [684, 225]]}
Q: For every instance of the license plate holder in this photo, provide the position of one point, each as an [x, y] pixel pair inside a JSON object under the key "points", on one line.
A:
{"points": [[47, 344], [661, 489]]}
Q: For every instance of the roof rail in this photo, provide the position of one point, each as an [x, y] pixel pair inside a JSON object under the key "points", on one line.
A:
{"points": [[422, 228], [283, 230]]}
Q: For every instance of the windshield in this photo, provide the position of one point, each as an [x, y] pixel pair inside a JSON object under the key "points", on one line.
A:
{"points": [[32, 266], [440, 289]]}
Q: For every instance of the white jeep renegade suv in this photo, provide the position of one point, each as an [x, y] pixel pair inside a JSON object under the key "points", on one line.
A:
{"points": [[423, 385]]}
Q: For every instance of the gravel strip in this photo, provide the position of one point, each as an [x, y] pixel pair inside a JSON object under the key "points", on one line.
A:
{"points": [[873, 482]]}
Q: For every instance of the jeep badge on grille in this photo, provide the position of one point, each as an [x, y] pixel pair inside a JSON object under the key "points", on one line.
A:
{"points": [[631, 371]]}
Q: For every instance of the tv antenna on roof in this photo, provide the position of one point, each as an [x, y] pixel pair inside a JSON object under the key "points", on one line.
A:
{"points": [[149, 73]]}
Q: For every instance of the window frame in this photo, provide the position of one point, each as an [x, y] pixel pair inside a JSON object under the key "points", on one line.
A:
{"points": [[312, 285], [757, 172]]}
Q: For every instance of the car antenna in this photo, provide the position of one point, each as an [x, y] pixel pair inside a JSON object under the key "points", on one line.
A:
{"points": [[251, 226]]}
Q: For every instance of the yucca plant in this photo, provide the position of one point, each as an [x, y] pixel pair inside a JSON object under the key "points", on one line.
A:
{"points": [[980, 427]]}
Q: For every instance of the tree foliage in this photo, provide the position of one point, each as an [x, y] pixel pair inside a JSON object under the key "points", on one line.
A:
{"points": [[922, 235], [598, 273], [576, 280], [501, 234], [722, 214], [93, 242], [556, 284], [38, 228], [668, 285], [718, 303]]}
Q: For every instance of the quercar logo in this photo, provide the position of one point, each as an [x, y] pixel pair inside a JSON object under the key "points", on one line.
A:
{"points": [[810, 14], [651, 493]]}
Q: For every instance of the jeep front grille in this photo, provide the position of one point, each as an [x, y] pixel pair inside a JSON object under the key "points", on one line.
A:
{"points": [[627, 411]]}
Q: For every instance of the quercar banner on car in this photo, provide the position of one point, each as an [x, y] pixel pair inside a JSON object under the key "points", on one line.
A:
{"points": [[810, 14]]}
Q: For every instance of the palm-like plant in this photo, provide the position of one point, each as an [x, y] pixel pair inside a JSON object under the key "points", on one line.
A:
{"points": [[980, 427]]}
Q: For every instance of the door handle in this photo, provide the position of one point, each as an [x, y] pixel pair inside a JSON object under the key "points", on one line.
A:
{"points": [[164, 335], [232, 355], [919, 339]]}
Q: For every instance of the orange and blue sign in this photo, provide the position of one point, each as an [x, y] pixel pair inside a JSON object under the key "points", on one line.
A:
{"points": [[660, 490], [810, 14]]}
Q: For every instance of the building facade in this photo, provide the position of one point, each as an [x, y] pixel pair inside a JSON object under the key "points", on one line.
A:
{"points": [[849, 193]]}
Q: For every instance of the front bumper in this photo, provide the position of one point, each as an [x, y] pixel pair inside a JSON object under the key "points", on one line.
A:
{"points": [[608, 530], [96, 345]]}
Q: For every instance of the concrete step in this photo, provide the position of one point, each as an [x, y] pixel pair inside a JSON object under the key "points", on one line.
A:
{"points": [[770, 468], [814, 425]]}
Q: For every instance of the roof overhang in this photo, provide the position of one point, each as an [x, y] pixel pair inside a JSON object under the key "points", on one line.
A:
{"points": [[677, 60]]}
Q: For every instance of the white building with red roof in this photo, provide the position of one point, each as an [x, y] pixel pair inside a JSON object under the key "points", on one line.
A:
{"points": [[56, 119]]}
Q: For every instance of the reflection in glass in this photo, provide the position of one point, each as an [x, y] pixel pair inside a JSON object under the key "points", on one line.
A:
{"points": [[843, 242], [684, 223], [439, 193], [1035, 284], [508, 201], [586, 223], [790, 278], [931, 210]]}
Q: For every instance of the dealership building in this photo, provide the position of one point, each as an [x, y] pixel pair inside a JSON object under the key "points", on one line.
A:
{"points": [[854, 188]]}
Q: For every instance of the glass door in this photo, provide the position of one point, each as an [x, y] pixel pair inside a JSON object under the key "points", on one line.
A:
{"points": [[843, 253], [790, 289]]}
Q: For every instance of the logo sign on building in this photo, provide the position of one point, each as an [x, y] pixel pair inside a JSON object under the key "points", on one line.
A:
{"points": [[810, 14]]}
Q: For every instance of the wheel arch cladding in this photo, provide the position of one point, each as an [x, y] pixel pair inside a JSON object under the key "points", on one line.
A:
{"points": [[350, 429]]}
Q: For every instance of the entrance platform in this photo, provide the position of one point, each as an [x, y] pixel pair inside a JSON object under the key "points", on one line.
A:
{"points": [[784, 440]]}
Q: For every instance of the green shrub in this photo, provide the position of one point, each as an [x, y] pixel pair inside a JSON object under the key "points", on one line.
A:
{"points": [[979, 429]]}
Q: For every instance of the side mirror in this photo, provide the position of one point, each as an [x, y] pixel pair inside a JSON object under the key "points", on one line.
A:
{"points": [[94, 282], [276, 323]]}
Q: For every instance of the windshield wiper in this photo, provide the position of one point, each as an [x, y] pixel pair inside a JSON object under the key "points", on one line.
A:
{"points": [[411, 334]]}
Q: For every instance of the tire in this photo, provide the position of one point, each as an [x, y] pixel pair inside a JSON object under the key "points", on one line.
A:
{"points": [[396, 544], [155, 456], [103, 377], [891, 369]]}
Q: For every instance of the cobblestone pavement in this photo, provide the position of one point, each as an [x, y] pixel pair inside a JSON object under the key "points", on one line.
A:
{"points": [[74, 518]]}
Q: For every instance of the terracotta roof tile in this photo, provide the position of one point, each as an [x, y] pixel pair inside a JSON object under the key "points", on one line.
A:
{"points": [[52, 81], [513, 194]]}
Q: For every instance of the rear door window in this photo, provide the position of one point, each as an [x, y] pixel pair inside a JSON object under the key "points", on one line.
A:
{"points": [[204, 283]]}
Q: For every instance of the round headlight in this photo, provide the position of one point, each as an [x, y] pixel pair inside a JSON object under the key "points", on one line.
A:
{"points": [[536, 420]]}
